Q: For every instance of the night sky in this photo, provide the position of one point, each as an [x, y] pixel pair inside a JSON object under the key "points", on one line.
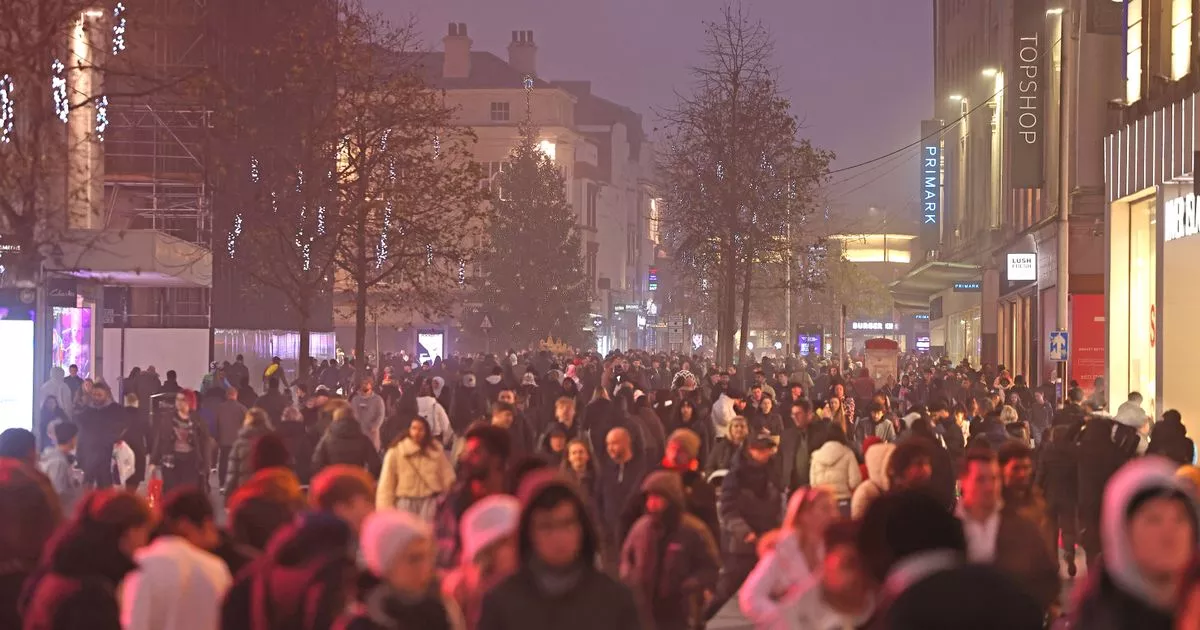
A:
{"points": [[859, 72]]}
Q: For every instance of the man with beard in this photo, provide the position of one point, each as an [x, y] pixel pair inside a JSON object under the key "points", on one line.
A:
{"points": [[101, 425], [700, 498], [481, 471]]}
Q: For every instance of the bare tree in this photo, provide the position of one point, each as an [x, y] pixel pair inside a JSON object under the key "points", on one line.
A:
{"points": [[408, 190], [737, 179]]}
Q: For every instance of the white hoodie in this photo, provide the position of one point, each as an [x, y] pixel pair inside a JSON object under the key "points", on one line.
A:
{"points": [[722, 413], [439, 423], [770, 592], [877, 459], [177, 586], [834, 465]]}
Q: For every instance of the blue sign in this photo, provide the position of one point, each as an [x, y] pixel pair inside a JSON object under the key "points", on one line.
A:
{"points": [[922, 316], [652, 281], [1059, 345], [931, 184], [968, 287]]}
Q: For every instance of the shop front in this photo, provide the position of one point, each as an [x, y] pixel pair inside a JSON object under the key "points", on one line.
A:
{"points": [[1152, 256]]}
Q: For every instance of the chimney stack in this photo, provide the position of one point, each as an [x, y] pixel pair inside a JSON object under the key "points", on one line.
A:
{"points": [[456, 61], [522, 53]]}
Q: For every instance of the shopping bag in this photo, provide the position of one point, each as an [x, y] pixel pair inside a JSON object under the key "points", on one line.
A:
{"points": [[154, 489], [125, 460]]}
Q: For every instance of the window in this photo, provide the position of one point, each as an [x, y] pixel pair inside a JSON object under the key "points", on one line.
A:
{"points": [[492, 172], [591, 265], [593, 196], [1133, 51], [499, 111], [1181, 38]]}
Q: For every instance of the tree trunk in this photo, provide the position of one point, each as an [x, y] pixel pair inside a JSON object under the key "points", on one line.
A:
{"points": [[729, 287], [360, 322], [745, 330], [305, 348]]}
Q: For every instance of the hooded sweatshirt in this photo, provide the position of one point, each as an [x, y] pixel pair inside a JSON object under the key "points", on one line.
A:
{"points": [[1118, 595], [431, 410], [539, 597], [876, 483], [834, 465]]}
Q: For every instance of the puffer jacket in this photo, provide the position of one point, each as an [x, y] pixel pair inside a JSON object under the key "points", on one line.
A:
{"points": [[240, 468], [766, 595], [750, 502], [413, 473], [345, 443], [834, 465], [876, 483]]}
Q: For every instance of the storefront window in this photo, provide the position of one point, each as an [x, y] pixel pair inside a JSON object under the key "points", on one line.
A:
{"points": [[1133, 51], [962, 336], [1181, 38], [1142, 293]]}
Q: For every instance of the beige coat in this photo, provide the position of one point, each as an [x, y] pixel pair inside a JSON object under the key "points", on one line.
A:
{"points": [[411, 473]]}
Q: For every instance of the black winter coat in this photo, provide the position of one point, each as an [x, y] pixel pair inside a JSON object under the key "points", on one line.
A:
{"points": [[1104, 606], [597, 602], [99, 429], [1058, 470], [1098, 458], [616, 485], [750, 502], [382, 611], [240, 467], [299, 446], [345, 443], [1170, 440]]}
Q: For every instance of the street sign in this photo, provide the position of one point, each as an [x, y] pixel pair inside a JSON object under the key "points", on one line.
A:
{"points": [[1059, 345], [486, 324]]}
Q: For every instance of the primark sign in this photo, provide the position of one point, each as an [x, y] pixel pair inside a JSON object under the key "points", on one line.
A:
{"points": [[1179, 218]]}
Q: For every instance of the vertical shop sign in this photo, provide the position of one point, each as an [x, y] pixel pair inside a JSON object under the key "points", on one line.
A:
{"points": [[1027, 94]]}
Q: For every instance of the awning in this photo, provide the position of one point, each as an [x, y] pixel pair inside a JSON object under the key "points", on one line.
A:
{"points": [[138, 258], [912, 292]]}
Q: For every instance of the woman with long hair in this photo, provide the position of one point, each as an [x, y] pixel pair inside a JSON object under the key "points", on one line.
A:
{"points": [[836, 412], [798, 552], [85, 563], [180, 446], [33, 514], [415, 472], [579, 465], [687, 417], [255, 424]]}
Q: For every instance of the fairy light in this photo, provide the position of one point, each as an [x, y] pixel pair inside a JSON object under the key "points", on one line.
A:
{"points": [[118, 29], [254, 175], [437, 147], [7, 115], [299, 180], [58, 88], [321, 220], [429, 254], [101, 117], [234, 234], [381, 248], [462, 271], [274, 203]]}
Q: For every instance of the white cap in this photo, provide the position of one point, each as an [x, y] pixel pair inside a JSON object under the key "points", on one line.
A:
{"points": [[491, 519], [385, 534]]}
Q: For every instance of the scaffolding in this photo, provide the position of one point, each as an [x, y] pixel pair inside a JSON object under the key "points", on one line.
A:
{"points": [[156, 151]]}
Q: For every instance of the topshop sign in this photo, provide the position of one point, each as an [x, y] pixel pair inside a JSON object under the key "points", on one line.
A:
{"points": [[1180, 217]]}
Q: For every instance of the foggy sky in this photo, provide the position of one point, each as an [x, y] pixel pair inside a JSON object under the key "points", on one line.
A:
{"points": [[859, 72]]}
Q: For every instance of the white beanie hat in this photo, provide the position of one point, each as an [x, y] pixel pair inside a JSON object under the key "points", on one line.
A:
{"points": [[490, 519], [385, 534]]}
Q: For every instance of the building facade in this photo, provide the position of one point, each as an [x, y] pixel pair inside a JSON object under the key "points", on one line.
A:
{"points": [[1150, 218], [1010, 178]]}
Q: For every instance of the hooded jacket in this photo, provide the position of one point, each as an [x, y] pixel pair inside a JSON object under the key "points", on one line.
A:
{"points": [[470, 404], [300, 583], [834, 465], [369, 409], [56, 386], [669, 560], [176, 586], [1118, 596], [431, 410], [750, 502], [768, 595], [537, 597], [344, 443], [1169, 439], [723, 412], [876, 483]]}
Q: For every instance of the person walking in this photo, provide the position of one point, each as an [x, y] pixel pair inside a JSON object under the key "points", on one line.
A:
{"points": [[345, 443], [180, 446], [231, 416], [489, 535], [415, 473], [255, 425], [370, 411]]}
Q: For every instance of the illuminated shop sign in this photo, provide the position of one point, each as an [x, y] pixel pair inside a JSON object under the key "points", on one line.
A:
{"points": [[968, 287], [931, 176], [1026, 95], [872, 326], [1022, 267], [1180, 219], [652, 282]]}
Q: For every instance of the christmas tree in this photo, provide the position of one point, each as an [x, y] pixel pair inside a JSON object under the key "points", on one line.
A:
{"points": [[534, 281]]}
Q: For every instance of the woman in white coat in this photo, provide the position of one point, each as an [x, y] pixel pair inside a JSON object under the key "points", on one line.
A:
{"points": [[415, 473], [768, 596], [835, 466], [434, 413]]}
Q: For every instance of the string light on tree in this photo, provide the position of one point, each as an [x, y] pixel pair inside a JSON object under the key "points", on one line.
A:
{"points": [[58, 89], [7, 114], [118, 29], [254, 169], [236, 232], [321, 220], [437, 147], [462, 271], [429, 254], [101, 117]]}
